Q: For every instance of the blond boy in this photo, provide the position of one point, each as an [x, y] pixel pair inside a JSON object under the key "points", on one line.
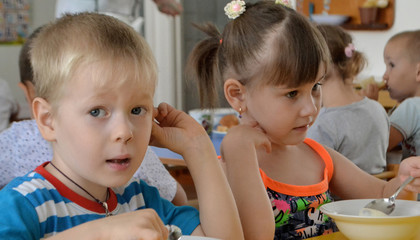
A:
{"points": [[95, 79]]}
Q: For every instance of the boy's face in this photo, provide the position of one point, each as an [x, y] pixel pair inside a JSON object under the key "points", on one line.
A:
{"points": [[400, 73], [102, 132]]}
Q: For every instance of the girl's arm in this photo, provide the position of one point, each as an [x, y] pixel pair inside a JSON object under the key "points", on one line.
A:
{"points": [[240, 159], [182, 134], [180, 197], [395, 137], [350, 182]]}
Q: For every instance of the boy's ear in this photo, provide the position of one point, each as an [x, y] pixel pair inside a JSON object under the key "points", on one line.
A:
{"points": [[42, 111], [235, 93]]}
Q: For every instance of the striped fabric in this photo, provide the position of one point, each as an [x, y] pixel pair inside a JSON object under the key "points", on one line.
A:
{"points": [[37, 206]]}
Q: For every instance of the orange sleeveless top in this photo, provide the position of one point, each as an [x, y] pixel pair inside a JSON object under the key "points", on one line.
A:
{"points": [[305, 190], [296, 208]]}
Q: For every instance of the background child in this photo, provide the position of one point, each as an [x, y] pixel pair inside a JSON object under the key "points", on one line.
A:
{"points": [[22, 148], [9, 107], [354, 126], [95, 78], [272, 61], [402, 76]]}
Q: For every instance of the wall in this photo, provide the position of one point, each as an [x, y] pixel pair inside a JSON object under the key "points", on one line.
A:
{"points": [[42, 11], [372, 43], [163, 34], [199, 11]]}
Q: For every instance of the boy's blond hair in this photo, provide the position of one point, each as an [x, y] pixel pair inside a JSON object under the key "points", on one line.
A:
{"points": [[412, 43], [87, 39]]}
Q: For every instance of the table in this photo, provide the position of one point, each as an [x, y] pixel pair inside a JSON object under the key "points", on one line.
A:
{"points": [[340, 236], [169, 155], [333, 236]]}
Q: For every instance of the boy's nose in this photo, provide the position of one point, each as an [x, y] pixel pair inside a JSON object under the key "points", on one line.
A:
{"points": [[125, 137], [385, 76], [123, 131]]}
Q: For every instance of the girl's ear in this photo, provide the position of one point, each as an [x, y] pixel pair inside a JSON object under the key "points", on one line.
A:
{"points": [[235, 94], [41, 110]]}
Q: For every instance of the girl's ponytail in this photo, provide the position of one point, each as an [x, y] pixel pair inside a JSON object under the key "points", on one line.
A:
{"points": [[202, 65]]}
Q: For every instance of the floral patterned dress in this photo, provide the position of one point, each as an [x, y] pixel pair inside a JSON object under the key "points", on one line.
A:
{"points": [[296, 208]]}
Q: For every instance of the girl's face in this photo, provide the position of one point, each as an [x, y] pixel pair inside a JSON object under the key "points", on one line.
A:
{"points": [[400, 73], [102, 132], [284, 113]]}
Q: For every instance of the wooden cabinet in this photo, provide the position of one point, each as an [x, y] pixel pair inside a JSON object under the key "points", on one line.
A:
{"points": [[385, 18]]}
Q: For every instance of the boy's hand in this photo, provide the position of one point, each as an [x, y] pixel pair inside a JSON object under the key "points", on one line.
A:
{"points": [[371, 91], [140, 225], [411, 167], [177, 131]]}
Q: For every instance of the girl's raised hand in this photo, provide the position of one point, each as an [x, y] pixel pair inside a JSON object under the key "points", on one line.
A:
{"points": [[244, 138], [239, 159]]}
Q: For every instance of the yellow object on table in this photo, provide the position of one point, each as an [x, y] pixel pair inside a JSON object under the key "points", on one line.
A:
{"points": [[386, 100], [332, 236], [340, 236]]}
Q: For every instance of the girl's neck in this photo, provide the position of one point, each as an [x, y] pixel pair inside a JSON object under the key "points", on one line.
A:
{"points": [[338, 93], [278, 152], [282, 164]]}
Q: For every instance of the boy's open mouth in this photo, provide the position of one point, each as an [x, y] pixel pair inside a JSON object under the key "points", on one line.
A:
{"points": [[118, 161]]}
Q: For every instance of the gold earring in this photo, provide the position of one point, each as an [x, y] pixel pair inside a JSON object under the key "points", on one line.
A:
{"points": [[240, 112]]}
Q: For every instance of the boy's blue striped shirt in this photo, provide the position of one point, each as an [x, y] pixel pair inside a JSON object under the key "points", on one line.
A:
{"points": [[37, 206]]}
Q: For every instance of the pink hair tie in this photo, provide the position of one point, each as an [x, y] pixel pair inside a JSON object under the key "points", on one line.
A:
{"points": [[349, 50]]}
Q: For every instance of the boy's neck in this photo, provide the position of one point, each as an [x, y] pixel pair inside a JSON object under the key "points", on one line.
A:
{"points": [[86, 192]]}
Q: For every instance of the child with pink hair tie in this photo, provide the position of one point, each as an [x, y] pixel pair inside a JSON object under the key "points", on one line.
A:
{"points": [[271, 65]]}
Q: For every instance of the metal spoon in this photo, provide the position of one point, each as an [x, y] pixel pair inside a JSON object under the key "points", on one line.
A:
{"points": [[174, 232], [384, 205]]}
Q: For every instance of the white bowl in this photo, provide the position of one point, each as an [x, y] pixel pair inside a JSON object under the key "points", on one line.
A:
{"points": [[332, 19], [403, 223]]}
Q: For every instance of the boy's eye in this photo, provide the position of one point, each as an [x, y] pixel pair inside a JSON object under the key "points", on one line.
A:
{"points": [[292, 94], [97, 112], [137, 111]]}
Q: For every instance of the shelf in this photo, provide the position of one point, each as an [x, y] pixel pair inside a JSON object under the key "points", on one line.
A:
{"points": [[374, 26], [350, 8]]}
